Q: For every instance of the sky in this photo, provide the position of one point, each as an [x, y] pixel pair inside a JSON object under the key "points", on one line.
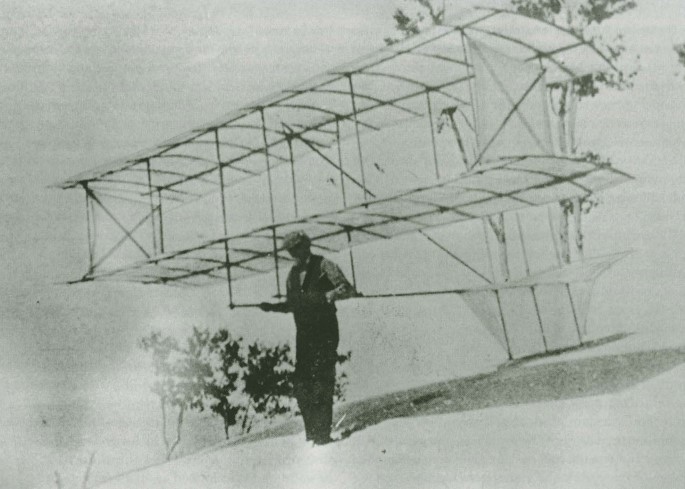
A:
{"points": [[87, 82]]}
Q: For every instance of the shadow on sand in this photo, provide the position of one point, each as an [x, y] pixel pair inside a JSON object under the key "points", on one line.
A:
{"points": [[515, 382]]}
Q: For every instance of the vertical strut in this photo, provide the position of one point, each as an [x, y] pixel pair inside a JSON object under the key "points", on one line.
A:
{"points": [[523, 245], [487, 244], [344, 199], [292, 173], [94, 223], [504, 326], [271, 202], [161, 220], [152, 206], [578, 219], [554, 235], [430, 123], [573, 310], [537, 311], [88, 225], [223, 214], [340, 162], [356, 128], [467, 60]]}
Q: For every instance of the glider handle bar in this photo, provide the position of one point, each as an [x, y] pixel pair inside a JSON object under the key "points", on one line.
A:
{"points": [[235, 306], [412, 294], [378, 296]]}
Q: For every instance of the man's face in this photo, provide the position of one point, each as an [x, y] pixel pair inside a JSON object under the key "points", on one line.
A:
{"points": [[300, 253]]}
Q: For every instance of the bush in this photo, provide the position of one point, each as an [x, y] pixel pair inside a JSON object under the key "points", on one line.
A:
{"points": [[238, 382]]}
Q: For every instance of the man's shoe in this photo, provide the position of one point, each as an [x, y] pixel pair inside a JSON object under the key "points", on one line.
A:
{"points": [[323, 441]]}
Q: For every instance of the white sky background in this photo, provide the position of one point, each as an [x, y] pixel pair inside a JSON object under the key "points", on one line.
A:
{"points": [[84, 83]]}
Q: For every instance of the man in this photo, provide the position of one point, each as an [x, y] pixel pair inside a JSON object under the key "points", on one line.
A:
{"points": [[312, 287]]}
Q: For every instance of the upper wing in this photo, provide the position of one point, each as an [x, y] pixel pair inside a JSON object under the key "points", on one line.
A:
{"points": [[381, 89]]}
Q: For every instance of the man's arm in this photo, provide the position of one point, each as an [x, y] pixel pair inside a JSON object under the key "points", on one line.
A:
{"points": [[342, 287]]}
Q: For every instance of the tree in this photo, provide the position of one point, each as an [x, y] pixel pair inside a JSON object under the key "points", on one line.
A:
{"points": [[237, 382], [222, 392], [180, 381], [583, 17], [268, 382]]}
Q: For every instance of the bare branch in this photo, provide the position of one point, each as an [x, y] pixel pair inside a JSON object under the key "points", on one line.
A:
{"points": [[86, 476], [58, 480]]}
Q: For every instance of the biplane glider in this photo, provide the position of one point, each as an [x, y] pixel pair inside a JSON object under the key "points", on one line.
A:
{"points": [[452, 125]]}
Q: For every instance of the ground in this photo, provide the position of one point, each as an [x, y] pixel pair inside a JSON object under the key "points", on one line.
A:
{"points": [[604, 415]]}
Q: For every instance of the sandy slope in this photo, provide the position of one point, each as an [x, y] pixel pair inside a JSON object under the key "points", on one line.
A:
{"points": [[632, 436]]}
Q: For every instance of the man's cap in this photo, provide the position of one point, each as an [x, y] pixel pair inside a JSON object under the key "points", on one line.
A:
{"points": [[294, 239]]}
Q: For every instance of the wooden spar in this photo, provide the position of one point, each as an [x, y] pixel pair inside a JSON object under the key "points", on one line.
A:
{"points": [[500, 233], [537, 312], [471, 90], [271, 203], [504, 326], [553, 233], [227, 258], [344, 200], [161, 220], [578, 215], [457, 134], [340, 162], [356, 129], [523, 244], [292, 175], [563, 231], [152, 206], [432, 130], [575, 316], [88, 226], [489, 250]]}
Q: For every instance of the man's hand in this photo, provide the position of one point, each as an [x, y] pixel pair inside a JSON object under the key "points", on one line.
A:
{"points": [[267, 307]]}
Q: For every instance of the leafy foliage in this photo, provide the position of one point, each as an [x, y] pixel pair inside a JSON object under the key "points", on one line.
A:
{"points": [[680, 51], [583, 17], [538, 9], [269, 379], [181, 379], [580, 16], [238, 382], [410, 24]]}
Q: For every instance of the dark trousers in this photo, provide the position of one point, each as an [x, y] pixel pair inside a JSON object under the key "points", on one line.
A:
{"points": [[314, 388]]}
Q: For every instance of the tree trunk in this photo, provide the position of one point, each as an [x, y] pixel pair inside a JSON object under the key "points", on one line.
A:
{"points": [[247, 413], [563, 231], [226, 428], [179, 424], [162, 403]]}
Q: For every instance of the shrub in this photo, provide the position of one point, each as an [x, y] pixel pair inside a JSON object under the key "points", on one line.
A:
{"points": [[238, 382]]}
